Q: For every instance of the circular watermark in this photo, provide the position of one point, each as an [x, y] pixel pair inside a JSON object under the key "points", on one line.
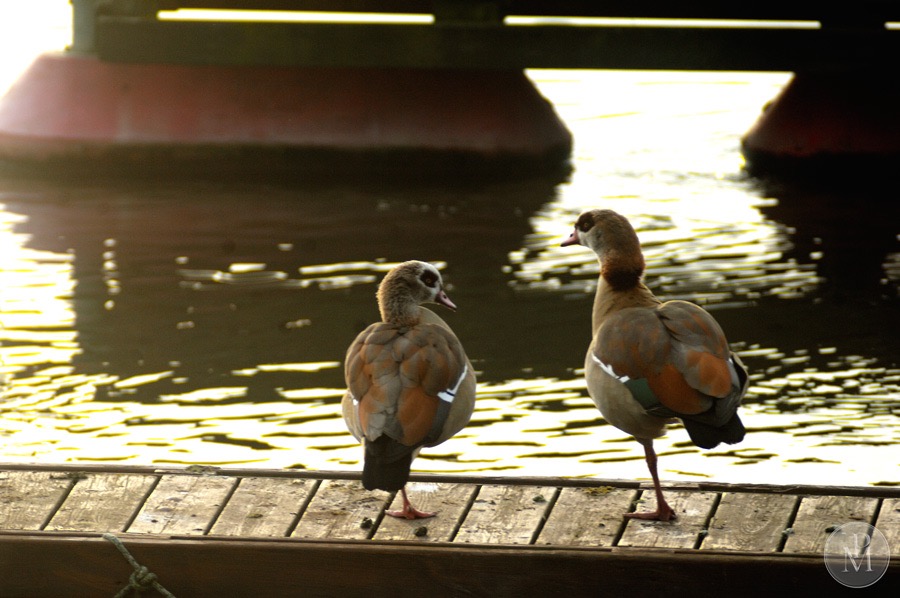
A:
{"points": [[857, 554]]}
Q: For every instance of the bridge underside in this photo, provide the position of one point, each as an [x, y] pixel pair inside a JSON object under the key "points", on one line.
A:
{"points": [[442, 78], [497, 34]]}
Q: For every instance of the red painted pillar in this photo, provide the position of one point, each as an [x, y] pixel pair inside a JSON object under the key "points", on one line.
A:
{"points": [[76, 111], [828, 123]]}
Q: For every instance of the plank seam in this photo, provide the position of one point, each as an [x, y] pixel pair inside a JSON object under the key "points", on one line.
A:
{"points": [[623, 523], [636, 500], [141, 503], [465, 513], [63, 497], [382, 513], [545, 516], [704, 532], [790, 524], [303, 506], [877, 512], [225, 501]]}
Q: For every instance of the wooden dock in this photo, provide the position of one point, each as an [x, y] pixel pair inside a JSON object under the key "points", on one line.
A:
{"points": [[240, 532]]}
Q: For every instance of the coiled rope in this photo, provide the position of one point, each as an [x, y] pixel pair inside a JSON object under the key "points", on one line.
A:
{"points": [[142, 579]]}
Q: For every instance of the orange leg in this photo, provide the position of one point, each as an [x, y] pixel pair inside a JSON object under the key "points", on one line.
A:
{"points": [[408, 511], [663, 511]]}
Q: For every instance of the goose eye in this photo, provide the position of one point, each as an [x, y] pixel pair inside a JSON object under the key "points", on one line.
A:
{"points": [[429, 279], [584, 224]]}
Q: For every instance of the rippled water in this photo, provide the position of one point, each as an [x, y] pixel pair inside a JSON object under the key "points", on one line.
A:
{"points": [[201, 322]]}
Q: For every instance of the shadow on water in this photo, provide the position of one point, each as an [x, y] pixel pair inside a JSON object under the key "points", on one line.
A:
{"points": [[217, 278], [833, 351], [848, 231]]}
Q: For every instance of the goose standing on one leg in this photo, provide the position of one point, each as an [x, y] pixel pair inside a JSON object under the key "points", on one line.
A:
{"points": [[409, 382], [649, 361]]}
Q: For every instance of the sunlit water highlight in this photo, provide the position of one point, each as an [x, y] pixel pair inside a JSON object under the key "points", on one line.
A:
{"points": [[206, 323]]}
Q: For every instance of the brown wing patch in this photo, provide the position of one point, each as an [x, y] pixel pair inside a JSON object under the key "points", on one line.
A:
{"points": [[396, 375], [678, 348], [674, 392], [416, 415], [694, 327], [699, 348], [634, 343], [708, 373]]}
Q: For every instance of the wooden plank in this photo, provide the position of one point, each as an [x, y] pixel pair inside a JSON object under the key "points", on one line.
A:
{"points": [[263, 507], [200, 567], [505, 515], [587, 516], [750, 522], [28, 499], [102, 503], [707, 486], [342, 510], [819, 515], [182, 504], [888, 523], [693, 510], [451, 501]]}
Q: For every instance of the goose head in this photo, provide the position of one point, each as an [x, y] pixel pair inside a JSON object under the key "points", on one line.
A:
{"points": [[613, 240], [406, 287]]}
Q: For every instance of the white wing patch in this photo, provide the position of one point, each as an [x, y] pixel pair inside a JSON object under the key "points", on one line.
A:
{"points": [[448, 395], [608, 369]]}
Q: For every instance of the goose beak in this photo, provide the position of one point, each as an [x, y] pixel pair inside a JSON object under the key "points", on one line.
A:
{"points": [[572, 240], [444, 300]]}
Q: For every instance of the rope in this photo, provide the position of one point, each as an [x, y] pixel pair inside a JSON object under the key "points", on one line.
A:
{"points": [[142, 579]]}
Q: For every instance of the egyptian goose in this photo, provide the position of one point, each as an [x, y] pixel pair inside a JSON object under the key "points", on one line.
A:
{"points": [[409, 382], [650, 362]]}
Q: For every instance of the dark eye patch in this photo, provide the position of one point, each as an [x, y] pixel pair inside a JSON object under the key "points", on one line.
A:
{"points": [[585, 223], [429, 279]]}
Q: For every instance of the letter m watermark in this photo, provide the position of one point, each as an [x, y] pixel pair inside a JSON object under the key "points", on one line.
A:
{"points": [[861, 554]]}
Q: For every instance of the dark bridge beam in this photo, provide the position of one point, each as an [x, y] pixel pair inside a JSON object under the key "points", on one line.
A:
{"points": [[473, 34], [883, 10], [503, 47]]}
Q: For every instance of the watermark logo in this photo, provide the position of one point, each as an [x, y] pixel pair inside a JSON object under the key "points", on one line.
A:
{"points": [[857, 554]]}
